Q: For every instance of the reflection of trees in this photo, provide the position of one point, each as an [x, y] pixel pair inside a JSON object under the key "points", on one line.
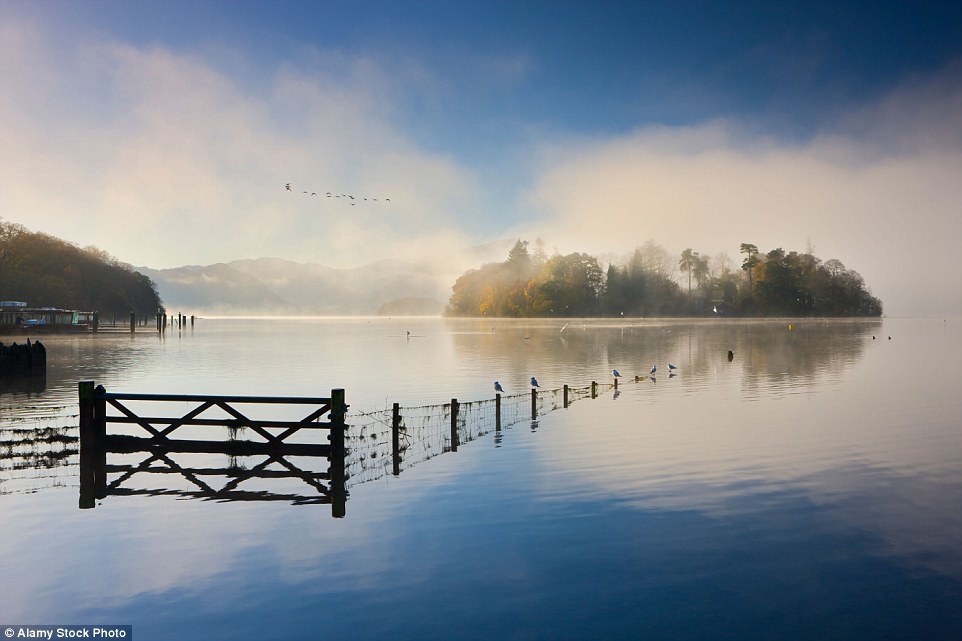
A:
{"points": [[587, 350], [764, 350]]}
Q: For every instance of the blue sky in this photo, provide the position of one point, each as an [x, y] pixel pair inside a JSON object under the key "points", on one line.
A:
{"points": [[163, 132]]}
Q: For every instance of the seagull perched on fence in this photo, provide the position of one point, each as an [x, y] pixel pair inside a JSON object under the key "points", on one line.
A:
{"points": [[615, 373], [534, 382], [498, 388], [671, 367], [654, 368]]}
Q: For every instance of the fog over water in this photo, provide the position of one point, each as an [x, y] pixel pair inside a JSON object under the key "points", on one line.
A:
{"points": [[166, 137]]}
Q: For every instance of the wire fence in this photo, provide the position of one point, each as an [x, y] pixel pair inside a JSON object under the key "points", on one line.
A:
{"points": [[39, 450], [425, 431], [36, 458]]}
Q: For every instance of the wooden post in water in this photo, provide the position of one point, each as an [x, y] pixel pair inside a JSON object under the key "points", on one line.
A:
{"points": [[454, 425], [566, 397], [616, 382], [88, 445], [100, 441], [338, 451], [534, 403], [133, 321], [594, 389], [396, 438], [497, 412], [192, 321], [96, 321]]}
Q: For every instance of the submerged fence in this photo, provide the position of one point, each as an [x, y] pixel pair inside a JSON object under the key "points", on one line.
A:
{"points": [[388, 441], [375, 444]]}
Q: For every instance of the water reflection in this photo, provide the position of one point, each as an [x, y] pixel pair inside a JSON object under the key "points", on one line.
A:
{"points": [[224, 417], [795, 487], [33, 383], [267, 479], [766, 353]]}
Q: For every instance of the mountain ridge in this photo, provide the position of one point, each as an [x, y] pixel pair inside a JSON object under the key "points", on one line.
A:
{"points": [[279, 286]]}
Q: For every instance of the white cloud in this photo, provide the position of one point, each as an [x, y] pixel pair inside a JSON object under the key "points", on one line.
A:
{"points": [[167, 158], [176, 161], [889, 211]]}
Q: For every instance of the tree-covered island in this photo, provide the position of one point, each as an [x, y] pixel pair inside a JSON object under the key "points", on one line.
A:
{"points": [[652, 282]]}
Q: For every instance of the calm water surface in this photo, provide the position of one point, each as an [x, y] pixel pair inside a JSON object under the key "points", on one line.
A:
{"points": [[811, 488]]}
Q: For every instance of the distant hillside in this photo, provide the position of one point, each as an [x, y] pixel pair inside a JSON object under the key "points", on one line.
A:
{"points": [[278, 286], [44, 271]]}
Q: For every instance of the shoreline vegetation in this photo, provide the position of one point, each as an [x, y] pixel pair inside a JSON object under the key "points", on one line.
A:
{"points": [[773, 284], [42, 270], [45, 271]]}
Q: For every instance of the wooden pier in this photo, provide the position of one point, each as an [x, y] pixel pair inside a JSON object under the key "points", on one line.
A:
{"points": [[160, 446]]}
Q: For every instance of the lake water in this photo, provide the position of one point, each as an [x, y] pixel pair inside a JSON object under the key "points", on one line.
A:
{"points": [[810, 488]]}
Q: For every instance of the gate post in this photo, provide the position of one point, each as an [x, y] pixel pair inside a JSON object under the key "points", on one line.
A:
{"points": [[338, 427]]}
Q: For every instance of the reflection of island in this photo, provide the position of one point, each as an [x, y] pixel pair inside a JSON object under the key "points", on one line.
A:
{"points": [[583, 350]]}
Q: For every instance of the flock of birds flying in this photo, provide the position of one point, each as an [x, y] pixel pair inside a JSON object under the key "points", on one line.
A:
{"points": [[350, 199], [499, 389]]}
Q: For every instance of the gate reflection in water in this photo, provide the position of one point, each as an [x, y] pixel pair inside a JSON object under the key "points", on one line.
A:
{"points": [[222, 419]]}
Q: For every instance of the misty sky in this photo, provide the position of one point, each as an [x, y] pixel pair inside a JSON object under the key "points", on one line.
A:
{"points": [[165, 132]]}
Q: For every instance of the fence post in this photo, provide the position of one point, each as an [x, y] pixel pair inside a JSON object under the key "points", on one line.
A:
{"points": [[534, 403], [396, 438], [566, 397], [594, 389], [454, 425], [133, 321], [88, 446], [497, 412], [100, 440], [336, 469], [616, 382]]}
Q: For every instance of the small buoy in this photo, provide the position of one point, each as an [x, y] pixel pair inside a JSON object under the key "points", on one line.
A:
{"points": [[789, 327]]}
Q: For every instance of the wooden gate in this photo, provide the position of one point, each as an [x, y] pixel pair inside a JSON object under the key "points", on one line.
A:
{"points": [[275, 442]]}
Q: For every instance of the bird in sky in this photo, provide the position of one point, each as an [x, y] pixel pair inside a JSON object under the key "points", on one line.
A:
{"points": [[654, 368], [287, 187], [534, 382], [498, 388], [615, 373]]}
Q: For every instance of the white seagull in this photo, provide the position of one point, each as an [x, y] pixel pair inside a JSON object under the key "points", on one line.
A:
{"points": [[654, 368], [498, 388]]}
